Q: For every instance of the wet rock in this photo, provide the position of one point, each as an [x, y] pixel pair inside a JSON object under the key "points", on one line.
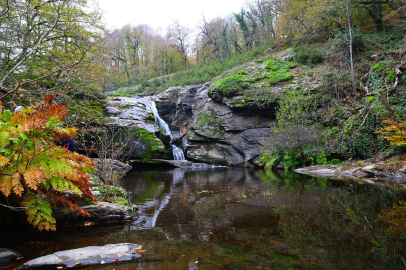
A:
{"points": [[8, 256], [102, 212], [93, 255], [366, 173], [216, 153], [109, 170]]}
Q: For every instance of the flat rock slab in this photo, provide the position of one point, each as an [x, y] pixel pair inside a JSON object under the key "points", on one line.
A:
{"points": [[8, 256], [93, 255], [367, 173]]}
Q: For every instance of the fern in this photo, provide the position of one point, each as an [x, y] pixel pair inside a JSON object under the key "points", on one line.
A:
{"points": [[269, 160], [39, 212], [34, 169]]}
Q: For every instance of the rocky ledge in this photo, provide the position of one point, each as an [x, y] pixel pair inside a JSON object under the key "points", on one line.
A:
{"points": [[93, 255], [102, 212], [368, 173]]}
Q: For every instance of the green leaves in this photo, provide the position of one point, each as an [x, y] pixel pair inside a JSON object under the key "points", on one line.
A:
{"points": [[34, 169]]}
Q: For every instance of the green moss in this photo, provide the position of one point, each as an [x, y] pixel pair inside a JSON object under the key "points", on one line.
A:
{"points": [[275, 65], [230, 84], [152, 145], [381, 66], [279, 70], [279, 76], [238, 103]]}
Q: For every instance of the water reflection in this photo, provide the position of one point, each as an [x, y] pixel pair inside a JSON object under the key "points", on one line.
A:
{"points": [[245, 219]]}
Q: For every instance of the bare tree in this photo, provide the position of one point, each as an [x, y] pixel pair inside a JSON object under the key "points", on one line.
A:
{"points": [[211, 35], [178, 36]]}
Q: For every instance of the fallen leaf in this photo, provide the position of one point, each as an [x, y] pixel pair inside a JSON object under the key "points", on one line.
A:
{"points": [[120, 254], [19, 258], [101, 249], [102, 262], [78, 263], [59, 267], [183, 255], [116, 260]]}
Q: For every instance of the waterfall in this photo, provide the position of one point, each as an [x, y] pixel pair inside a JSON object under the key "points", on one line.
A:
{"points": [[176, 151], [158, 120]]}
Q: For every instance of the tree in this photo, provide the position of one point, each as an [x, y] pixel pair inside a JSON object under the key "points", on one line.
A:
{"points": [[212, 35], [50, 46], [248, 27], [33, 170], [265, 13], [178, 36], [297, 136], [311, 19]]}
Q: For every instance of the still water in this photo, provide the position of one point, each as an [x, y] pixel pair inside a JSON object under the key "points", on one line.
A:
{"points": [[243, 219]]}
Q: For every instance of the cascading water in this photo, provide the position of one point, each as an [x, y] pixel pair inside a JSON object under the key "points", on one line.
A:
{"points": [[158, 120], [177, 152]]}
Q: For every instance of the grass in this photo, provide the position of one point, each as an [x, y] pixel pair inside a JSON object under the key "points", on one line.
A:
{"points": [[199, 74]]}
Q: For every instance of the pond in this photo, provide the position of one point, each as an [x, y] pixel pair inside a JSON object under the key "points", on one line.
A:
{"points": [[242, 219]]}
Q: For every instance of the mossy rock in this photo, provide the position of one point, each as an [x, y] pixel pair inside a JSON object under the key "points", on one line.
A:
{"points": [[148, 145]]}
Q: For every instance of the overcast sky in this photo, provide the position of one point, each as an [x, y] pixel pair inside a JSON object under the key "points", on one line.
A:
{"points": [[162, 13]]}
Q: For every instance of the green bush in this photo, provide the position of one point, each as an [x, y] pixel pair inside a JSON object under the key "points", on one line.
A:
{"points": [[308, 54]]}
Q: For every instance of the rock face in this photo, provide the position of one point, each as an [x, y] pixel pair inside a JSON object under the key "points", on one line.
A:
{"points": [[109, 170], [102, 212], [132, 114], [8, 256], [93, 255], [214, 132]]}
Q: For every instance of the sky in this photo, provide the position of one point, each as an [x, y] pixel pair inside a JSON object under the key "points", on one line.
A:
{"points": [[161, 13]]}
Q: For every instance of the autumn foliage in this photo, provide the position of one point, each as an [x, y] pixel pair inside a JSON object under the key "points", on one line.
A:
{"points": [[34, 169], [394, 132]]}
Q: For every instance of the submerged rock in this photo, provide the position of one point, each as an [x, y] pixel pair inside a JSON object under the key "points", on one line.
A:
{"points": [[93, 255], [8, 256]]}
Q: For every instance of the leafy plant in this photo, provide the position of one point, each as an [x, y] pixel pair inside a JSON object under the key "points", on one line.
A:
{"points": [[269, 160], [297, 137], [36, 171]]}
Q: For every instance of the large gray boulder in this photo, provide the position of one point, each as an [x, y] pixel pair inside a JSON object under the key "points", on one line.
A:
{"points": [[93, 255]]}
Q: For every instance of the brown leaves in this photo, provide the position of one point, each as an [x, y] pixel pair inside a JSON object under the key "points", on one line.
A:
{"points": [[33, 178], [120, 254], [138, 251], [17, 187], [6, 185]]}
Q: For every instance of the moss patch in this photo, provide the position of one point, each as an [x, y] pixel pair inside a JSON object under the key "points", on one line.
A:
{"points": [[279, 70], [150, 143]]}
